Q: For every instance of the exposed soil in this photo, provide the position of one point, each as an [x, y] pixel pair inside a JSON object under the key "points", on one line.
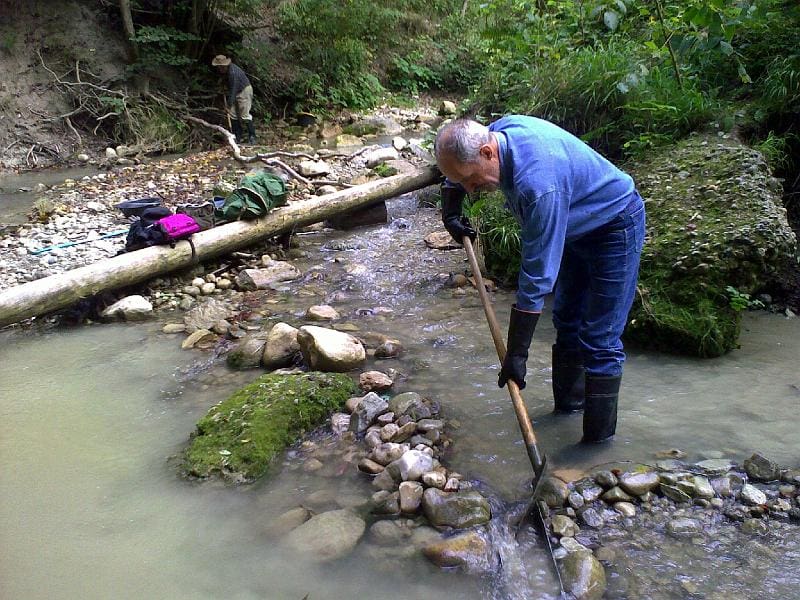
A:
{"points": [[33, 38]]}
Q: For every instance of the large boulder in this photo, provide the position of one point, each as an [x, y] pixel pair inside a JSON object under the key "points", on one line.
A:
{"points": [[583, 576], [715, 221], [329, 350], [205, 314]]}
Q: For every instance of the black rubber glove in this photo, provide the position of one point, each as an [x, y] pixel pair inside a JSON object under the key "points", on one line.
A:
{"points": [[521, 326], [457, 225]]}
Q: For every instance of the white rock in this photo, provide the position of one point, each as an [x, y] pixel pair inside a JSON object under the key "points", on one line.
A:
{"points": [[130, 308], [310, 168]]}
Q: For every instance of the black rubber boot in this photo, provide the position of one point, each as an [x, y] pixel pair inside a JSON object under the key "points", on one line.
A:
{"points": [[568, 383], [251, 131], [600, 411], [237, 130]]}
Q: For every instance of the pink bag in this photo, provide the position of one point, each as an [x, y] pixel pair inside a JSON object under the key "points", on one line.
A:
{"points": [[177, 227]]}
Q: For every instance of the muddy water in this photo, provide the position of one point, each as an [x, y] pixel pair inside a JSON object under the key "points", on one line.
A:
{"points": [[90, 417]]}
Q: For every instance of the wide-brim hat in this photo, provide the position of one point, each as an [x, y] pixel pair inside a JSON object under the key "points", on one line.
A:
{"points": [[220, 60]]}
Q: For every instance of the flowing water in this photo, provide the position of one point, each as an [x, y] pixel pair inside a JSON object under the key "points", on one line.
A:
{"points": [[91, 419]]}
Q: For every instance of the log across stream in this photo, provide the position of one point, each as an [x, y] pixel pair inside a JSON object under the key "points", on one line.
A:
{"points": [[59, 291]]}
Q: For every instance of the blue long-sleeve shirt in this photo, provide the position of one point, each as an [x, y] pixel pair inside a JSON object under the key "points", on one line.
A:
{"points": [[558, 189]]}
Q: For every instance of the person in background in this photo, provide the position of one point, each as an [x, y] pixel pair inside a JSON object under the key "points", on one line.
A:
{"points": [[240, 97], [582, 230]]}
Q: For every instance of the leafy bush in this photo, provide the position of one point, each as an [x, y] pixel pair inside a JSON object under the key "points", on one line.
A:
{"points": [[499, 237], [162, 45]]}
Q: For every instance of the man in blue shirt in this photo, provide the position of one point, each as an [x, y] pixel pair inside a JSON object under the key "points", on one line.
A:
{"points": [[582, 229]]}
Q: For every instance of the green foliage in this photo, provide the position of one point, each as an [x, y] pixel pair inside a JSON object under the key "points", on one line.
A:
{"points": [[162, 45], [409, 75], [499, 237], [708, 329], [384, 170], [8, 39], [333, 43], [777, 149], [740, 301], [780, 85]]}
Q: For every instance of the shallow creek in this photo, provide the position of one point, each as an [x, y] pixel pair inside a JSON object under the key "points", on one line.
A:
{"points": [[92, 417]]}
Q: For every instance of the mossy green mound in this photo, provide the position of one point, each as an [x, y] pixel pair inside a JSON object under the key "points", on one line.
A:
{"points": [[241, 436], [714, 221]]}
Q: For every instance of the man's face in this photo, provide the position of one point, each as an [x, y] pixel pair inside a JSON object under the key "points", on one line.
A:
{"points": [[483, 175]]}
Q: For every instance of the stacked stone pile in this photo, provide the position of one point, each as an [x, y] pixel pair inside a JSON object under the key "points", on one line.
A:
{"points": [[754, 494]]}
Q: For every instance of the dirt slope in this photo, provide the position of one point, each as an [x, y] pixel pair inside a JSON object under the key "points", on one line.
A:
{"points": [[62, 34]]}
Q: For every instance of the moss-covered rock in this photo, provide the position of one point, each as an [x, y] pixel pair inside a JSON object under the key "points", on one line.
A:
{"points": [[714, 221], [241, 436]]}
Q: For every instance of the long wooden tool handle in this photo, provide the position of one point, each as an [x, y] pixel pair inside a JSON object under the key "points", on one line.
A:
{"points": [[525, 427], [227, 112]]}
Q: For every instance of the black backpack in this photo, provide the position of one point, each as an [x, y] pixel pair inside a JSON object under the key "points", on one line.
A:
{"points": [[143, 233]]}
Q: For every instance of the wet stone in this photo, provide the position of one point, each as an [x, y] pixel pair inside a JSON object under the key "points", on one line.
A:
{"points": [[563, 526], [626, 509], [687, 487], [791, 476], [752, 495], [760, 468], [606, 478], [637, 484], [715, 466], [370, 467], [570, 544], [675, 493], [553, 491], [722, 487], [615, 494], [575, 500], [591, 517], [702, 487], [754, 526], [385, 418], [683, 527], [583, 575], [589, 490]]}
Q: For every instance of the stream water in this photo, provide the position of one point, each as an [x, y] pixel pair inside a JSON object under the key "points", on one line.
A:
{"points": [[91, 418]]}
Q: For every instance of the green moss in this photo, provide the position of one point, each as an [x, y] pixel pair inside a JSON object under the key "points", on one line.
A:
{"points": [[241, 436], [384, 170], [362, 128], [704, 326]]}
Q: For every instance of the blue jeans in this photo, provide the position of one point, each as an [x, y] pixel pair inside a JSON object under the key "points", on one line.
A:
{"points": [[595, 290]]}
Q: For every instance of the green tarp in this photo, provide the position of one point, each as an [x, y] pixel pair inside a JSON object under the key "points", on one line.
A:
{"points": [[256, 195]]}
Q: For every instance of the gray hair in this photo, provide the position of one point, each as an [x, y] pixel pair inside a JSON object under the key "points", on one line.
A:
{"points": [[461, 140]]}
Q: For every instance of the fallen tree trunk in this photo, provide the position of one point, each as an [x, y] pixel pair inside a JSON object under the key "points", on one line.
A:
{"points": [[59, 291]]}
